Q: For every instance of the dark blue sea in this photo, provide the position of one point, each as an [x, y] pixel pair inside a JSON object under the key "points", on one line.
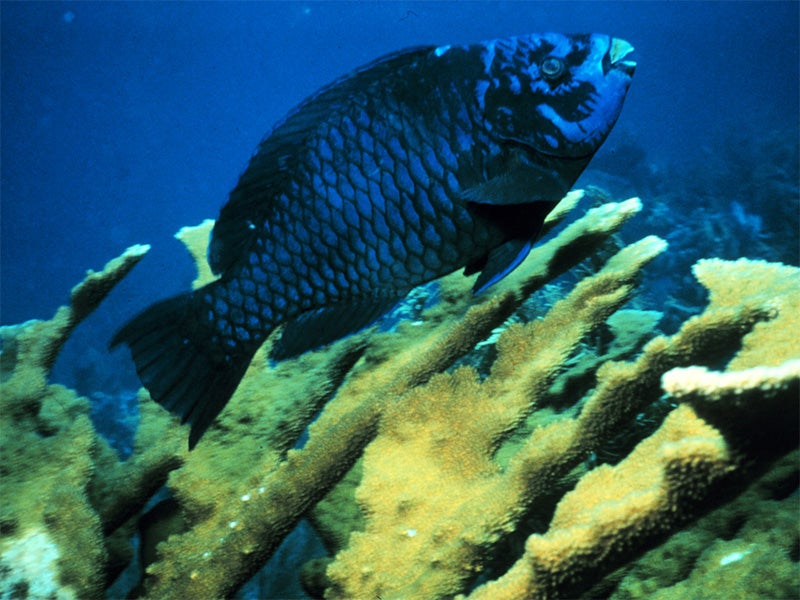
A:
{"points": [[121, 122]]}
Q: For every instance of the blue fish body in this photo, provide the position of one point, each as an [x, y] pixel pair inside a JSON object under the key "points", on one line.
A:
{"points": [[418, 164]]}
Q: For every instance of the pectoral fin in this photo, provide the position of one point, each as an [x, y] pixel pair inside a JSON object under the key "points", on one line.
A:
{"points": [[522, 184]]}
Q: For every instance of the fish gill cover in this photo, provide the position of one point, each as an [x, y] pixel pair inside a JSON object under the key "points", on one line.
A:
{"points": [[527, 441]]}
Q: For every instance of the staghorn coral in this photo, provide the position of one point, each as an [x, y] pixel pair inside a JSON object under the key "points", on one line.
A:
{"points": [[281, 487], [612, 508], [63, 487], [428, 526], [439, 472], [615, 509], [747, 548], [628, 330], [451, 446]]}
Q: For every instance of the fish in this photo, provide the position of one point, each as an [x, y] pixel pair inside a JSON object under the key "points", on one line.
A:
{"points": [[420, 163]]}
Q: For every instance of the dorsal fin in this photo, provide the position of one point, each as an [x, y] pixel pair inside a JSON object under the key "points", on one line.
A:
{"points": [[277, 155]]}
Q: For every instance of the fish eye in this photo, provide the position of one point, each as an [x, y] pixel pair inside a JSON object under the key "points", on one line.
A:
{"points": [[552, 68]]}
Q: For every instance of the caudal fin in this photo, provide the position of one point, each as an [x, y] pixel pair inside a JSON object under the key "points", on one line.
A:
{"points": [[178, 365]]}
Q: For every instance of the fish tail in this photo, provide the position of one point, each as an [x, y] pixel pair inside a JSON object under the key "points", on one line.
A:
{"points": [[178, 364]]}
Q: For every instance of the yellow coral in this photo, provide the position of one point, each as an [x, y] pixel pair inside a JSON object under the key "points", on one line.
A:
{"points": [[754, 560], [441, 559], [614, 509], [602, 519], [51, 451], [772, 285], [196, 241], [437, 499], [432, 492]]}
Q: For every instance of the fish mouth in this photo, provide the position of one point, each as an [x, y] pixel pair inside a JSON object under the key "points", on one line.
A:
{"points": [[618, 50]]}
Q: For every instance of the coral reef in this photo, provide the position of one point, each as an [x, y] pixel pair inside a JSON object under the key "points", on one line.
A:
{"points": [[747, 548], [460, 452], [737, 198], [65, 492], [453, 441], [449, 431]]}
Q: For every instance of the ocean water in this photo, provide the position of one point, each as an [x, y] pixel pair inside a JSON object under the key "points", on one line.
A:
{"points": [[122, 122]]}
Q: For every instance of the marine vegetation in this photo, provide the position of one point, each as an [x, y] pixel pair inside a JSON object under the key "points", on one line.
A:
{"points": [[429, 477]]}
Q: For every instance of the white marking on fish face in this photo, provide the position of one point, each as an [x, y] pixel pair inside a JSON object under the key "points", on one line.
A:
{"points": [[562, 44], [441, 50], [592, 68], [570, 131]]}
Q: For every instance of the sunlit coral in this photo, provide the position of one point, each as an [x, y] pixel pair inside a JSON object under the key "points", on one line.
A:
{"points": [[429, 480], [59, 478]]}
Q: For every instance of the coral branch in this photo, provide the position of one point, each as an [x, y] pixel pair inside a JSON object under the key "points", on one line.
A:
{"points": [[61, 482], [449, 430], [614, 511], [31, 349], [442, 465], [613, 508]]}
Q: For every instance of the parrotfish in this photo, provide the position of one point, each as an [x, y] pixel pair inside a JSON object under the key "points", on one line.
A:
{"points": [[422, 162]]}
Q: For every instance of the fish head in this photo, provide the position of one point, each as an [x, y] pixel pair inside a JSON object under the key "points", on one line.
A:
{"points": [[556, 94]]}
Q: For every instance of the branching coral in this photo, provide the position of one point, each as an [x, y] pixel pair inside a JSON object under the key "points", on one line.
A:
{"points": [[614, 510], [747, 548], [450, 463], [451, 442], [431, 466], [278, 491], [62, 485]]}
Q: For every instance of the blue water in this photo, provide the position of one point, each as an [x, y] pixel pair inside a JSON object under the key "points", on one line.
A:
{"points": [[122, 122]]}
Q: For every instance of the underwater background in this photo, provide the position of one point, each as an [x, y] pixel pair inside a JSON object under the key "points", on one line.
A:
{"points": [[120, 123]]}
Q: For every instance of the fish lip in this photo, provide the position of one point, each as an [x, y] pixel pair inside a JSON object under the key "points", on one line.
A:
{"points": [[626, 66], [617, 50]]}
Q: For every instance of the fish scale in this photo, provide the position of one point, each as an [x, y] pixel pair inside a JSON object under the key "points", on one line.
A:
{"points": [[418, 164]]}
